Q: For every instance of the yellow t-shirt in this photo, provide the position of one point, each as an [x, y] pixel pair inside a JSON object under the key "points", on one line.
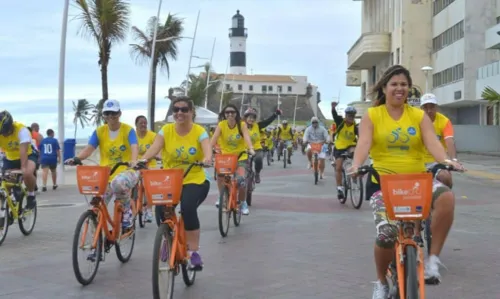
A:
{"points": [[10, 144], [346, 137], [444, 130], [180, 151], [397, 145], [255, 136], [115, 150], [145, 143], [230, 141], [285, 134]]}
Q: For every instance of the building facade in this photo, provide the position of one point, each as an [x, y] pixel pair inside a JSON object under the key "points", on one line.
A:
{"points": [[393, 32], [459, 39]]}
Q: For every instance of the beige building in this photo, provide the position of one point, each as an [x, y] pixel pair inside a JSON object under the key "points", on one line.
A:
{"points": [[393, 32]]}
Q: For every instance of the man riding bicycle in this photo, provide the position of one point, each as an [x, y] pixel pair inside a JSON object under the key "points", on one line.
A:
{"points": [[345, 142], [286, 135], [316, 134], [444, 132], [15, 140]]}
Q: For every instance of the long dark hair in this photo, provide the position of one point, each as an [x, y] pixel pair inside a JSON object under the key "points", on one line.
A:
{"points": [[186, 100], [222, 116], [378, 89]]}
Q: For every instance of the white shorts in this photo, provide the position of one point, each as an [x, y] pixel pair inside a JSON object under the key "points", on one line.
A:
{"points": [[322, 154]]}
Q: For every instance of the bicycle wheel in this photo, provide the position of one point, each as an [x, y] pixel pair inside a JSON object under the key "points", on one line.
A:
{"points": [[428, 234], [237, 213], [224, 212], [346, 187], [268, 158], [4, 229], [93, 255], [285, 157], [315, 167], [27, 218], [124, 256], [250, 188], [412, 291], [356, 185], [163, 285]]}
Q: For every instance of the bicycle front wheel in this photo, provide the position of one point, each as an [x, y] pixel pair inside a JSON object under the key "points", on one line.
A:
{"points": [[285, 157], [346, 187], [91, 255], [6, 219], [411, 273], [357, 191], [27, 218], [163, 276], [224, 212]]}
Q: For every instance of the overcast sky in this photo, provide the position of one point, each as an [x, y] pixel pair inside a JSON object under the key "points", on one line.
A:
{"points": [[289, 37]]}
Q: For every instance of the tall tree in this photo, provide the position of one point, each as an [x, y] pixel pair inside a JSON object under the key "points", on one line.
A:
{"points": [[493, 97], [166, 49], [83, 113], [107, 23]]}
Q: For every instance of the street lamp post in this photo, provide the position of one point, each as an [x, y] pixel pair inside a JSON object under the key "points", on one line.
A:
{"points": [[208, 73], [191, 54], [60, 106], [151, 111], [427, 70]]}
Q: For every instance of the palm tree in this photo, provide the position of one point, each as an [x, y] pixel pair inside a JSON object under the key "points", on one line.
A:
{"points": [[493, 97], [83, 113], [107, 23], [165, 50]]}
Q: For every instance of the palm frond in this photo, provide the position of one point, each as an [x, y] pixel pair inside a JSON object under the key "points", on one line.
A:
{"points": [[491, 95]]}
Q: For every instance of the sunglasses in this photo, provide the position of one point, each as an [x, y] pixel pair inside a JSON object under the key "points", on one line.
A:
{"points": [[230, 112], [314, 123], [110, 113], [181, 109]]}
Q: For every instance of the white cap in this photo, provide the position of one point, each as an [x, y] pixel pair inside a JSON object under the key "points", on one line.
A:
{"points": [[111, 105], [314, 119], [428, 98]]}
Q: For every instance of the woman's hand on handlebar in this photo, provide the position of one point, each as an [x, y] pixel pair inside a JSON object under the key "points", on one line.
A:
{"points": [[141, 164], [457, 166], [207, 162], [251, 152]]}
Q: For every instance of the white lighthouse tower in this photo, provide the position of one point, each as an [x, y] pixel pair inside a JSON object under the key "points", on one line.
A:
{"points": [[238, 40]]}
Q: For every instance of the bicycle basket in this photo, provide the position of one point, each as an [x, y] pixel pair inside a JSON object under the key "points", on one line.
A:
{"points": [[407, 196], [226, 163], [163, 187], [316, 147], [92, 180]]}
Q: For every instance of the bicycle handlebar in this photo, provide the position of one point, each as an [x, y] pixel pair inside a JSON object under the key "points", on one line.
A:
{"points": [[143, 165], [77, 161], [369, 169]]}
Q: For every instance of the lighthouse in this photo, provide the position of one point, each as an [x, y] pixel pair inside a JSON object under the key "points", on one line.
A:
{"points": [[238, 40]]}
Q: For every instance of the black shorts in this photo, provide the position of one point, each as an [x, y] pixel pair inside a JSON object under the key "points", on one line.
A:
{"points": [[338, 152], [52, 167], [16, 164]]}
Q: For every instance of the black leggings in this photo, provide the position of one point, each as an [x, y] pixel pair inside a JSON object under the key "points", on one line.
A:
{"points": [[259, 154], [192, 197]]}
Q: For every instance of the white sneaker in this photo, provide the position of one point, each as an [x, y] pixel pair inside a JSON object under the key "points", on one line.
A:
{"points": [[380, 290], [431, 272]]}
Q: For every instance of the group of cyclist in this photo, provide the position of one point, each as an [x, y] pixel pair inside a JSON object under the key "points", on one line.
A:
{"points": [[185, 141]]}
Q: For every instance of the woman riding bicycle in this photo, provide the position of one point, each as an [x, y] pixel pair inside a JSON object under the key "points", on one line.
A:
{"points": [[183, 143], [414, 133], [249, 117], [117, 142], [145, 138], [233, 137]]}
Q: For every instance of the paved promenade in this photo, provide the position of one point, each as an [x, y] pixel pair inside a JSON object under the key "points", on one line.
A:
{"points": [[298, 242]]}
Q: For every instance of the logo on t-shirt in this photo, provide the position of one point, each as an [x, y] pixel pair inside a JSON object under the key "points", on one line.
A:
{"points": [[123, 147], [192, 151], [412, 131]]}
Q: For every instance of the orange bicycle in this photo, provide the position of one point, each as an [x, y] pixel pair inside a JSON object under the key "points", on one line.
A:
{"points": [[170, 252], [93, 181], [316, 148], [226, 166], [407, 198], [140, 202]]}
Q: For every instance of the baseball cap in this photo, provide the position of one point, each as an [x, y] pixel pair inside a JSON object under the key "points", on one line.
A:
{"points": [[111, 105], [428, 98], [314, 119]]}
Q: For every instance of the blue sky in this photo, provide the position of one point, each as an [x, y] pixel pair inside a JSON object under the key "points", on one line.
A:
{"points": [[292, 37]]}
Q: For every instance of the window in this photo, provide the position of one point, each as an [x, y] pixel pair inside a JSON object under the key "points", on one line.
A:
{"points": [[448, 37], [240, 87], [250, 87], [289, 89], [264, 88], [391, 62], [397, 56], [439, 5], [228, 87], [270, 88], [280, 88], [449, 75]]}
